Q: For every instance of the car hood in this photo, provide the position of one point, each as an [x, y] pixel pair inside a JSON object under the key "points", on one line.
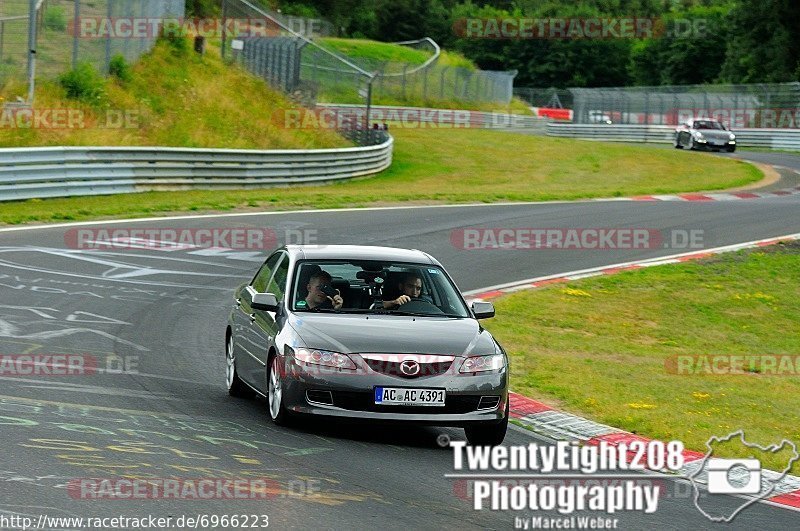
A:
{"points": [[392, 334]]}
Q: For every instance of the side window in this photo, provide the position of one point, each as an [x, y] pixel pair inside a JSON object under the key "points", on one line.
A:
{"points": [[278, 283], [265, 273]]}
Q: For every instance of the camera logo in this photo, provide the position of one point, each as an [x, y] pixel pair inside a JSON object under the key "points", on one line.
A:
{"points": [[742, 478], [734, 476]]}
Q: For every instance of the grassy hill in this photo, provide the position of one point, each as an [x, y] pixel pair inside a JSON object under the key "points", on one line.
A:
{"points": [[438, 86], [173, 97]]}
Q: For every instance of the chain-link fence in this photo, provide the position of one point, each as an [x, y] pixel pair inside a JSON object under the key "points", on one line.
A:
{"points": [[551, 98], [307, 27], [758, 105], [68, 32], [313, 71], [426, 84], [270, 46], [15, 22]]}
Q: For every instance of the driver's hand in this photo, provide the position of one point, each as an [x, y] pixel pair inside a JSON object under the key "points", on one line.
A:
{"points": [[402, 299], [337, 300]]}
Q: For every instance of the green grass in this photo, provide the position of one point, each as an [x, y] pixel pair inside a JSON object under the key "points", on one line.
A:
{"points": [[598, 347], [375, 51], [177, 98], [441, 166], [445, 84]]}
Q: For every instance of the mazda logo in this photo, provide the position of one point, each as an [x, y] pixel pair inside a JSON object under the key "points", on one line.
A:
{"points": [[409, 368]]}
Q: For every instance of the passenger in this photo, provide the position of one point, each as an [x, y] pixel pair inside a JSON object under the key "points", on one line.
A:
{"points": [[410, 287], [317, 298]]}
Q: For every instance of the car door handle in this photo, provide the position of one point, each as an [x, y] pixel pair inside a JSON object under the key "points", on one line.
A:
{"points": [[252, 317]]}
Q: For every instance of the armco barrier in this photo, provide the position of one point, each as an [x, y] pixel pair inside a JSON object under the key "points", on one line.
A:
{"points": [[27, 173], [419, 117], [762, 138]]}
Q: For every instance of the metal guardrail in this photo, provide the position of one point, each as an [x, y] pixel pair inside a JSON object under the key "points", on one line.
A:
{"points": [[788, 139], [444, 118], [27, 173]]}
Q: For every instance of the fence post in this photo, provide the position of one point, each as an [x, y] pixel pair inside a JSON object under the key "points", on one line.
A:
{"points": [[109, 13], [405, 67], [224, 20], [76, 20], [31, 49], [441, 83], [425, 84]]}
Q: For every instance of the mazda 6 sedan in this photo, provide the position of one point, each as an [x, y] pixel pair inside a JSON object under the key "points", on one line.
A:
{"points": [[373, 333], [704, 134]]}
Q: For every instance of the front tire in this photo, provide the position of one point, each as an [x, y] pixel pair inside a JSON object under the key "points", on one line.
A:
{"points": [[275, 407], [731, 149], [489, 433], [677, 142], [236, 387]]}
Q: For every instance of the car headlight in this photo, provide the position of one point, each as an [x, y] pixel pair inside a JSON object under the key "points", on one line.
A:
{"points": [[698, 135], [733, 137], [326, 358], [491, 362]]}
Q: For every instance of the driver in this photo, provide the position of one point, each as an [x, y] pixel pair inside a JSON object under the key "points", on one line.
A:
{"points": [[317, 298], [410, 287]]}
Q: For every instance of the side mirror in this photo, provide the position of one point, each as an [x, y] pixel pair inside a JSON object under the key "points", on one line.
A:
{"points": [[483, 310], [264, 301]]}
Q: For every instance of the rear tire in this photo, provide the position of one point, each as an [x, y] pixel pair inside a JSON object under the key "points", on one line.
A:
{"points": [[488, 434], [236, 387], [275, 407]]}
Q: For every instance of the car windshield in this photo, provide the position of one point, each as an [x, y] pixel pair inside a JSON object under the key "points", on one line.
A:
{"points": [[708, 124], [375, 287]]}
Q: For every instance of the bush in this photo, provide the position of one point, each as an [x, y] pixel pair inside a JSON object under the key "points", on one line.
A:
{"points": [[55, 19], [178, 40], [84, 83], [120, 69], [201, 8]]}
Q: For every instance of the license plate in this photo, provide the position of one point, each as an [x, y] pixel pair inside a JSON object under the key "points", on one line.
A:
{"points": [[402, 396]]}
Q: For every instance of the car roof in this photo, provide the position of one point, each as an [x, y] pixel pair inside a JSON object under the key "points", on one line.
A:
{"points": [[359, 252]]}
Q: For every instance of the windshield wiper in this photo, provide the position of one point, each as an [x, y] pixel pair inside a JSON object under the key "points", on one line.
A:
{"points": [[419, 314]]}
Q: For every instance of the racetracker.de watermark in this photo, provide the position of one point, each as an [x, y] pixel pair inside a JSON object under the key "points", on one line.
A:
{"points": [[68, 118], [88, 27], [579, 28], [173, 488], [177, 238], [733, 364], [65, 365], [588, 238], [338, 118], [764, 118]]}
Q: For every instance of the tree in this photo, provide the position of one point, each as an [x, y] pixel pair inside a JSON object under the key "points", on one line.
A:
{"points": [[764, 45]]}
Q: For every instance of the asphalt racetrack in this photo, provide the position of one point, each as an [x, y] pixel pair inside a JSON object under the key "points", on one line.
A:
{"points": [[157, 407]]}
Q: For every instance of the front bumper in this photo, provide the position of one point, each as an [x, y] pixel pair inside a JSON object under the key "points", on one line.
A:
{"points": [[715, 144], [352, 394]]}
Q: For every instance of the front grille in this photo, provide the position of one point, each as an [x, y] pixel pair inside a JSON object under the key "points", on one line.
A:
{"points": [[392, 368], [357, 401]]}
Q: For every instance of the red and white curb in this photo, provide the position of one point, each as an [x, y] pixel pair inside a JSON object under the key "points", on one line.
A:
{"points": [[722, 196], [730, 196], [538, 282], [544, 420]]}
